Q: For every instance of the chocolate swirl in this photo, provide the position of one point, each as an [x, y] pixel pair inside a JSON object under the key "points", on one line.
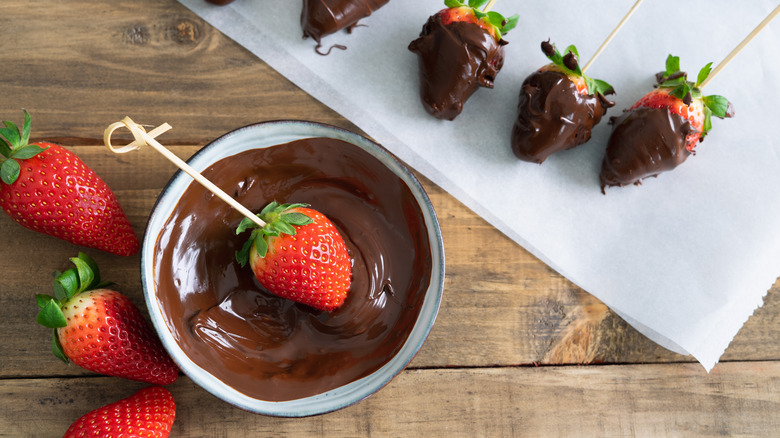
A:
{"points": [[454, 61], [268, 347], [553, 116]]}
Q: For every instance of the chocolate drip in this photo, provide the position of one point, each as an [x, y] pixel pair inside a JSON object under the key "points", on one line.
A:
{"points": [[553, 116], [454, 61], [324, 17], [268, 347], [644, 142], [219, 2]]}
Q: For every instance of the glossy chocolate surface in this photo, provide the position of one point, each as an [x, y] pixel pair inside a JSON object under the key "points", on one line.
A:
{"points": [[268, 347], [644, 142], [454, 61], [553, 116], [324, 17]]}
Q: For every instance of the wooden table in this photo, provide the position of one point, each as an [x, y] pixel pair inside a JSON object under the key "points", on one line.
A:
{"points": [[517, 350]]}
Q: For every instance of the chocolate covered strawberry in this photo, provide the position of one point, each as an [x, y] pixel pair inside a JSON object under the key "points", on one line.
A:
{"points": [[298, 255], [48, 189], [100, 329], [460, 49], [558, 107], [149, 413], [662, 129], [320, 18]]}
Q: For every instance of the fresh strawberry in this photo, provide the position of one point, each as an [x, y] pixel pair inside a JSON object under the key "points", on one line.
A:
{"points": [[47, 188], [661, 130], [493, 22], [147, 413], [100, 329], [299, 255]]}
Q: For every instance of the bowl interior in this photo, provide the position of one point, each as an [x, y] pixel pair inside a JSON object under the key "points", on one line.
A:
{"points": [[264, 135]]}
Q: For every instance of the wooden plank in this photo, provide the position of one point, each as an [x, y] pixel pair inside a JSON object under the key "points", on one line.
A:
{"points": [[153, 60], [501, 305], [640, 400]]}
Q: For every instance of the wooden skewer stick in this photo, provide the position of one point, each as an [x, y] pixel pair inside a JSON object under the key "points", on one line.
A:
{"points": [[143, 138], [741, 46], [611, 35], [489, 6]]}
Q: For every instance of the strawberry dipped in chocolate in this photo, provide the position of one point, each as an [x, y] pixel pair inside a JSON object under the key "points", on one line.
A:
{"points": [[320, 18], [299, 255], [662, 129], [558, 107], [459, 49]]}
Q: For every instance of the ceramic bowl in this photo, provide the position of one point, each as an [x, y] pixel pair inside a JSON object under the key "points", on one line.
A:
{"points": [[263, 135]]}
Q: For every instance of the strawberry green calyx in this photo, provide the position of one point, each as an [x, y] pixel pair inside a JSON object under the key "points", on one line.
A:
{"points": [[688, 91], [570, 64], [14, 147], [279, 220], [84, 277], [500, 24]]}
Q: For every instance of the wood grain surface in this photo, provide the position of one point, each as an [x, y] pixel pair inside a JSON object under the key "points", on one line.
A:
{"points": [[517, 350]]}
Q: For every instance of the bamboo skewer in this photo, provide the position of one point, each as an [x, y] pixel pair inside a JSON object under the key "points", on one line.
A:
{"points": [[611, 35], [741, 46], [489, 6], [143, 138]]}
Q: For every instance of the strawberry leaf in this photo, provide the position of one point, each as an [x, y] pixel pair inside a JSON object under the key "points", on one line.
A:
{"points": [[9, 171], [26, 152], [703, 73], [453, 3], [11, 133], [719, 105], [93, 267], [510, 23], [477, 3], [43, 300], [85, 274], [242, 256], [245, 224], [69, 282], [284, 227], [269, 208], [26, 129], [56, 348], [51, 315], [260, 245], [4, 148], [296, 219], [707, 122], [672, 65]]}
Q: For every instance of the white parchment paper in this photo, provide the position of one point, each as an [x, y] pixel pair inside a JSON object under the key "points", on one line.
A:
{"points": [[685, 257]]}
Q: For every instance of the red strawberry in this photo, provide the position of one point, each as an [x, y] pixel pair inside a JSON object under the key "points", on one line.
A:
{"points": [[147, 413], [100, 329], [662, 129], [47, 188], [298, 255]]}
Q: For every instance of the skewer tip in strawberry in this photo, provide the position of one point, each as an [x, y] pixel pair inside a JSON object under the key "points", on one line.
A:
{"points": [[47, 188], [299, 255], [100, 329], [558, 107], [149, 413], [459, 49], [662, 128]]}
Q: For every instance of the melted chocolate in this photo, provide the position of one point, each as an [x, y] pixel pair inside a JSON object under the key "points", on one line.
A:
{"points": [[324, 17], [644, 142], [454, 61], [268, 347], [553, 116], [220, 2]]}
